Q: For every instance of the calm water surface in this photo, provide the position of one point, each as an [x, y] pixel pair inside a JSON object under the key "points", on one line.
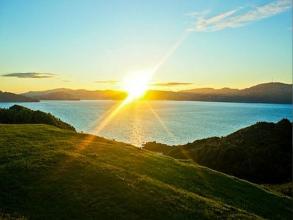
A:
{"points": [[170, 122]]}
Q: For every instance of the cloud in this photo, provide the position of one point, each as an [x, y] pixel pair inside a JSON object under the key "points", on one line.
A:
{"points": [[107, 81], [240, 16], [30, 75], [171, 84]]}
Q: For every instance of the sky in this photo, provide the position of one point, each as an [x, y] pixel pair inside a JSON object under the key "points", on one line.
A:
{"points": [[93, 44]]}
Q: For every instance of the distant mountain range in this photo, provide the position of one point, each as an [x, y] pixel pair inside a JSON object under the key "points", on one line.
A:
{"points": [[264, 93], [261, 93], [79, 94], [11, 97]]}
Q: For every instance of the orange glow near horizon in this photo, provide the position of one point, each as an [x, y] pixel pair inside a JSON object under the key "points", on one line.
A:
{"points": [[136, 84]]}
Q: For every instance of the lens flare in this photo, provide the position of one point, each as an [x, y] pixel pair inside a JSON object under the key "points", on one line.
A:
{"points": [[136, 84]]}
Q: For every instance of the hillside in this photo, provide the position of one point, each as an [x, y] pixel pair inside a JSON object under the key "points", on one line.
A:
{"points": [[260, 153], [50, 173], [264, 93], [11, 97], [17, 114]]}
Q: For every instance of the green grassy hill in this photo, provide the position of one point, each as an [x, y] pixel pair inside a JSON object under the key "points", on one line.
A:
{"points": [[260, 153], [18, 114], [50, 173]]}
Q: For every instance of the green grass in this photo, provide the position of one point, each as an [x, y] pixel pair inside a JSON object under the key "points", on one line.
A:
{"points": [[260, 153], [283, 189], [50, 173]]}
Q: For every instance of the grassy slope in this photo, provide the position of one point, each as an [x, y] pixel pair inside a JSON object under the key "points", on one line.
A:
{"points": [[260, 153], [49, 173], [283, 189]]}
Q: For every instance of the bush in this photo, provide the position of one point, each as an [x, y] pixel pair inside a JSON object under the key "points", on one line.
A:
{"points": [[20, 115]]}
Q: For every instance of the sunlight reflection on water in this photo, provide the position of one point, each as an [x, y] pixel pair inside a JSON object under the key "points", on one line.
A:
{"points": [[170, 122]]}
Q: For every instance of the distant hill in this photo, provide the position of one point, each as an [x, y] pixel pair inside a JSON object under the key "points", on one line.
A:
{"points": [[11, 97], [223, 91], [262, 93], [261, 153], [79, 94], [17, 114], [51, 173], [266, 93]]}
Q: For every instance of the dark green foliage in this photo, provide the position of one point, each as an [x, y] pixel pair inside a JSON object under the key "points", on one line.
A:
{"points": [[20, 115], [261, 153], [50, 173]]}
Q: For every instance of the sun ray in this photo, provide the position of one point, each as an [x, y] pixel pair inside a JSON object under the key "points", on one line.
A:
{"points": [[136, 85], [171, 51], [161, 122], [104, 122]]}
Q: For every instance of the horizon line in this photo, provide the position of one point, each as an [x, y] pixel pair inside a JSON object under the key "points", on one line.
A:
{"points": [[167, 90]]}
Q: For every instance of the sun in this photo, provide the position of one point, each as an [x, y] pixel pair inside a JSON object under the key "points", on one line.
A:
{"points": [[136, 84]]}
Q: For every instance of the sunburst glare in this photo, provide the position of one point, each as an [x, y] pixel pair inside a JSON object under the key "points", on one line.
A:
{"points": [[136, 84]]}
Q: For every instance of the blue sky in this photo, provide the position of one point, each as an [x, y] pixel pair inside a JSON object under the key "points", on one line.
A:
{"points": [[230, 43]]}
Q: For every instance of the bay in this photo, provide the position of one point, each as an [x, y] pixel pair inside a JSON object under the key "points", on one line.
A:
{"points": [[170, 122]]}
